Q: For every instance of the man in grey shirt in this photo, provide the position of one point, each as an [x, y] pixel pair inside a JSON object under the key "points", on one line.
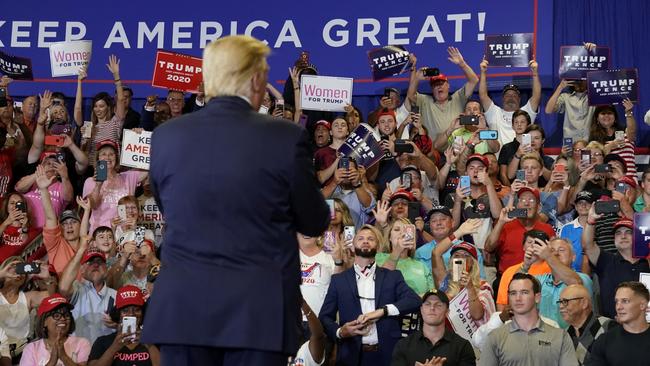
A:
{"points": [[527, 340]]}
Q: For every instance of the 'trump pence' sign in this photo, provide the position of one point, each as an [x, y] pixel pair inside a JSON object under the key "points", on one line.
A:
{"points": [[509, 50], [176, 71], [325, 93], [612, 86], [576, 61], [136, 149], [67, 58]]}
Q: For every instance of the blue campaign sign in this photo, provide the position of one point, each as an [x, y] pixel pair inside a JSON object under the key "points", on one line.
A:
{"points": [[337, 38]]}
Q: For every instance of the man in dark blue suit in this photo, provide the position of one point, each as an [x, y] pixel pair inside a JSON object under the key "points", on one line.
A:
{"points": [[234, 187], [369, 300]]}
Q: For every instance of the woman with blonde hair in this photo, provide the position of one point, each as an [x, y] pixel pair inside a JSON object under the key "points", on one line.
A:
{"points": [[479, 292], [397, 251]]}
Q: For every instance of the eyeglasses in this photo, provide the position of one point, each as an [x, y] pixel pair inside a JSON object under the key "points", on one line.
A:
{"points": [[565, 302], [61, 315]]}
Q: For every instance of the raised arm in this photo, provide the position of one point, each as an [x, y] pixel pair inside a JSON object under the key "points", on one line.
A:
{"points": [[293, 72], [551, 105], [416, 76], [536, 98], [486, 102], [72, 268], [591, 249], [85, 219], [78, 101], [457, 58], [630, 131], [38, 137], [43, 183], [492, 241], [114, 67], [80, 157]]}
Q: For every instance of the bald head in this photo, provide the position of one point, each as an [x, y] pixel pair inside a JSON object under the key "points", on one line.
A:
{"points": [[575, 305]]}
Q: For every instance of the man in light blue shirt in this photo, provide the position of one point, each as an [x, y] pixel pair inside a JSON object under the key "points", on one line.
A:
{"points": [[558, 253], [572, 231], [441, 226]]}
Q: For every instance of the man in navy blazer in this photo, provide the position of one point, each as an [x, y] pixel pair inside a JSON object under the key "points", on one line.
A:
{"points": [[369, 300], [234, 187]]}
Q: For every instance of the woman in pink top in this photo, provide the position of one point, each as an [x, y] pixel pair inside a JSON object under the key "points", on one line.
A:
{"points": [[55, 345], [60, 191], [105, 195]]}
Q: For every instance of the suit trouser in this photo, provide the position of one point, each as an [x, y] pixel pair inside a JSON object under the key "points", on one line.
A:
{"points": [[180, 355]]}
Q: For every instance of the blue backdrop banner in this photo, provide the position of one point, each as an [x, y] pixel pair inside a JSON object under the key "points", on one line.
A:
{"points": [[337, 38]]}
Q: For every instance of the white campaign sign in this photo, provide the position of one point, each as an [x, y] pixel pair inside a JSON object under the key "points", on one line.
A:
{"points": [[644, 278], [325, 93], [459, 316], [136, 149], [66, 58]]}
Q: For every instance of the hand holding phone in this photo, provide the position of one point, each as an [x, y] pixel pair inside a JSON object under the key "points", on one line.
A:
{"points": [[54, 140], [518, 213], [129, 325], [28, 268], [102, 171], [457, 268]]}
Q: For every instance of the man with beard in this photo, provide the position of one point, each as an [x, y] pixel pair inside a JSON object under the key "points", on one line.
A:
{"points": [[369, 322], [434, 343], [527, 340], [90, 296]]}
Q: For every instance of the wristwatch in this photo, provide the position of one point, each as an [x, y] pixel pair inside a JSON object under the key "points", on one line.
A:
{"points": [[338, 262], [358, 185]]}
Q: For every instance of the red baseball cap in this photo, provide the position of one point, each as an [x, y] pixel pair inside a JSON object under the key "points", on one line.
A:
{"points": [[52, 302], [439, 77], [47, 154], [478, 157], [469, 248], [110, 143], [323, 122], [402, 193], [534, 191], [128, 295], [625, 222], [386, 112], [629, 181], [90, 254]]}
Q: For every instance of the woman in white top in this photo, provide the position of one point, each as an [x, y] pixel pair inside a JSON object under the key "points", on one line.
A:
{"points": [[16, 304]]}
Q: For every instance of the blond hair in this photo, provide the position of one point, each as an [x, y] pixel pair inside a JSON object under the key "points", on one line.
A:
{"points": [[532, 156], [230, 63]]}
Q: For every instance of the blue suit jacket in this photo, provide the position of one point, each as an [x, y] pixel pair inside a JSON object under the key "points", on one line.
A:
{"points": [[234, 187], [343, 297]]}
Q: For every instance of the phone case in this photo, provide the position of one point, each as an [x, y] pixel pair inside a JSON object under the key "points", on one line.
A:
{"points": [[521, 175], [121, 211], [464, 181], [348, 233], [457, 268], [330, 203], [129, 324]]}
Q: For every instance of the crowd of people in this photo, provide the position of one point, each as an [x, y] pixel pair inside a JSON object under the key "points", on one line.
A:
{"points": [[533, 249]]}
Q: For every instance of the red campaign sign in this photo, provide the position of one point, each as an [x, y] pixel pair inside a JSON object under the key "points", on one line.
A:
{"points": [[177, 72]]}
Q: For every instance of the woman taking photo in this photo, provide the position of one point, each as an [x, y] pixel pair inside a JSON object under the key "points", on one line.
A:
{"points": [[16, 228], [55, 346], [123, 346], [397, 253], [16, 304], [607, 129], [104, 195], [479, 292]]}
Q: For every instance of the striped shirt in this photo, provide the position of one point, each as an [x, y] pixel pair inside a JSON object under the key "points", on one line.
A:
{"points": [[108, 130], [627, 153]]}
